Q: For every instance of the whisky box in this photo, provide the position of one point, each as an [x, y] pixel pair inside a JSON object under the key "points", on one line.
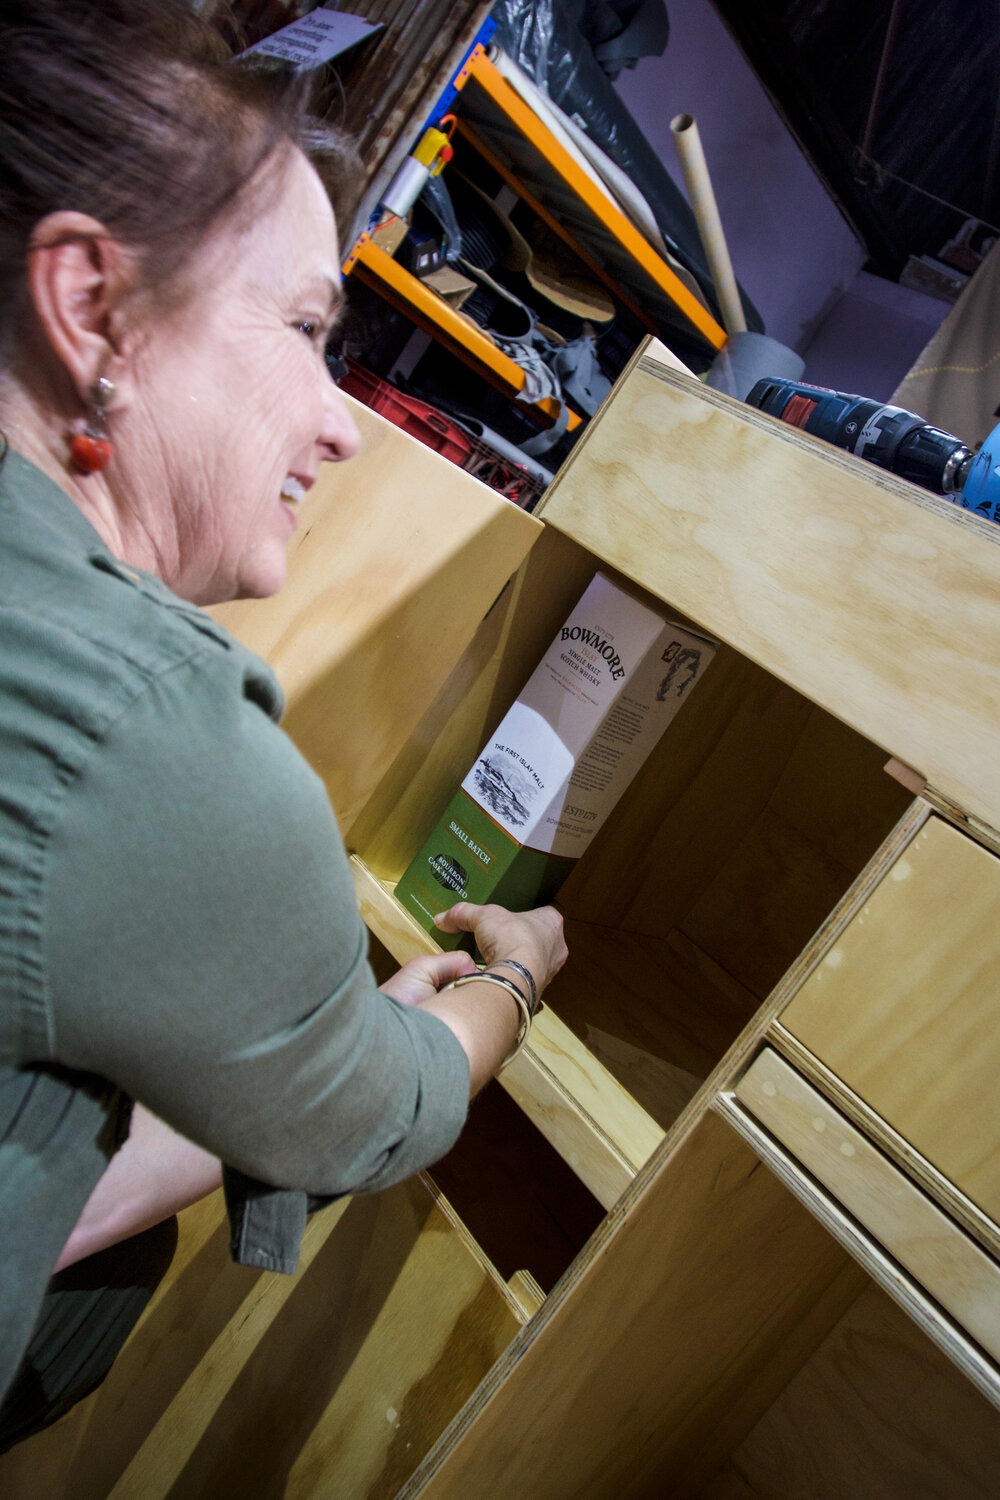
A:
{"points": [[543, 786]]}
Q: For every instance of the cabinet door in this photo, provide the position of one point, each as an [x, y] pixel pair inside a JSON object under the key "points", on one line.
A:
{"points": [[905, 1007]]}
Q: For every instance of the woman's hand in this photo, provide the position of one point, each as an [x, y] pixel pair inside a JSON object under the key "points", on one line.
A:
{"points": [[422, 977], [534, 938], [483, 1018]]}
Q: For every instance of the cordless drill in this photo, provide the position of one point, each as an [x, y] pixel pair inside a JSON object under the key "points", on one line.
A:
{"points": [[893, 438]]}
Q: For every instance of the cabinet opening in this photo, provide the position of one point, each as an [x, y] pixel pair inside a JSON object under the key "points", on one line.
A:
{"points": [[859, 1398], [525, 1207], [856, 1399], [522, 1203], [876, 1410], [734, 1348], [749, 821]]}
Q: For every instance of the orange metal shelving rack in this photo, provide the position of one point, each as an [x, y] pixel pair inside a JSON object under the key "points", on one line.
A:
{"points": [[529, 157]]}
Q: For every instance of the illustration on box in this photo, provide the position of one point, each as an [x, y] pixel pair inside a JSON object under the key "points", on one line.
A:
{"points": [[541, 789]]}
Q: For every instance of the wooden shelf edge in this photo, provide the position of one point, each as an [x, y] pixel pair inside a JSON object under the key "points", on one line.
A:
{"points": [[974, 1220], [578, 1105]]}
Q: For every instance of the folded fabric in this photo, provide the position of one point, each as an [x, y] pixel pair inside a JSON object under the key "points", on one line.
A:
{"points": [[583, 381]]}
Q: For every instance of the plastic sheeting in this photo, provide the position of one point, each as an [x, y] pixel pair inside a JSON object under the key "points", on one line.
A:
{"points": [[549, 40]]}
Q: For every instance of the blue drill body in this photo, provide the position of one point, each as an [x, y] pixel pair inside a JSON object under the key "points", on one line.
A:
{"points": [[893, 438]]}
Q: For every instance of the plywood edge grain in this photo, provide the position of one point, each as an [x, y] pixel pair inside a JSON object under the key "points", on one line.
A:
{"points": [[890, 1141], [526, 1293], [383, 916]]}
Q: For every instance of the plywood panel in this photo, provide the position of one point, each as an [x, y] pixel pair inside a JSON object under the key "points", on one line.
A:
{"points": [[873, 598], [397, 558], [663, 996], [877, 1412], [750, 820], [937, 1253], [662, 1088], [662, 1346], [905, 1005], [328, 1383]]}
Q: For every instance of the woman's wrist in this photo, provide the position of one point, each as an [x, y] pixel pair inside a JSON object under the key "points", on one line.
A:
{"points": [[516, 993], [525, 973]]}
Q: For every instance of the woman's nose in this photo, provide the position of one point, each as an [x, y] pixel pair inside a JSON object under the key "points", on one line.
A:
{"points": [[339, 437]]}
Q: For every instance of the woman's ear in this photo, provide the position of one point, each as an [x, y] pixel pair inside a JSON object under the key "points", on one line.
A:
{"points": [[78, 274]]}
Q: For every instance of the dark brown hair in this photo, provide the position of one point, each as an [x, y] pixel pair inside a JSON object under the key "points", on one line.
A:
{"points": [[133, 112]]}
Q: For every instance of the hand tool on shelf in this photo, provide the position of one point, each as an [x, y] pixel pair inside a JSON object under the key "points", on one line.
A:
{"points": [[891, 437]]}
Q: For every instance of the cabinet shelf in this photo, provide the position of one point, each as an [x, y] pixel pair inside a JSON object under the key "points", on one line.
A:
{"points": [[580, 1108]]}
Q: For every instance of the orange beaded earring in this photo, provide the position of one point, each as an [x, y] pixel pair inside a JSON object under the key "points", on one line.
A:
{"points": [[90, 450]]}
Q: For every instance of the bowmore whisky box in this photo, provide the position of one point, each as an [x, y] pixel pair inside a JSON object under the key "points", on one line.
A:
{"points": [[600, 699]]}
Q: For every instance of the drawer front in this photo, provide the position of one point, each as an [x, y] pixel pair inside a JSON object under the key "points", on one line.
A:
{"points": [[905, 1007], [940, 1256]]}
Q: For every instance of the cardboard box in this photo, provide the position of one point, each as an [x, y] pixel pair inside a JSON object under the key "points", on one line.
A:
{"points": [[390, 233], [541, 789]]}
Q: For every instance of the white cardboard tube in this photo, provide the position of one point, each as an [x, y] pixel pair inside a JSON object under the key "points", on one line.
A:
{"points": [[706, 212]]}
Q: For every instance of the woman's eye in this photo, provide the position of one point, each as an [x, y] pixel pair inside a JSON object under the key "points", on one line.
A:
{"points": [[312, 328]]}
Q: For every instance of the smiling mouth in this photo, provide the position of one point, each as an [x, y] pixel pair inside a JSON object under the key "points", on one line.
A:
{"points": [[293, 490]]}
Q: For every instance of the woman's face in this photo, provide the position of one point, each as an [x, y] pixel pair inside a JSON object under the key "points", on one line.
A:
{"points": [[232, 407]]}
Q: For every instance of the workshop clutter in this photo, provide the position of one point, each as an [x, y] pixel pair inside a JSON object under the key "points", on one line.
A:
{"points": [[502, 472], [531, 298]]}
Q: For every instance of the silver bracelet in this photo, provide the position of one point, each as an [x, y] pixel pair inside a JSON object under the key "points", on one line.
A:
{"points": [[514, 992], [525, 974]]}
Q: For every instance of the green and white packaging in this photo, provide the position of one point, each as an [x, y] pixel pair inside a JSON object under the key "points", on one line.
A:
{"points": [[587, 718]]}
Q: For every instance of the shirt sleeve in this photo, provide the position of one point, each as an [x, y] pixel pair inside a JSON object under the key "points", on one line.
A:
{"points": [[205, 953]]}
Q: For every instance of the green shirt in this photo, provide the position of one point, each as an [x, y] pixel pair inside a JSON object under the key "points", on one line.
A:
{"points": [[177, 919]]}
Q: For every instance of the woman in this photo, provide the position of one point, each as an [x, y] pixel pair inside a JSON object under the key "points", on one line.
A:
{"points": [[177, 924]]}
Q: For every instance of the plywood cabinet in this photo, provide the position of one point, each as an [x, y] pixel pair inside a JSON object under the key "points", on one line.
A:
{"points": [[719, 1302], [904, 1009]]}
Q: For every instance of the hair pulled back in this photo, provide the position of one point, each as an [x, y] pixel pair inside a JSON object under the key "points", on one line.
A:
{"points": [[132, 111]]}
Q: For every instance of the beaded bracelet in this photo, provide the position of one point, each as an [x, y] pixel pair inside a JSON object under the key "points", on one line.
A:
{"points": [[514, 992], [525, 974]]}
